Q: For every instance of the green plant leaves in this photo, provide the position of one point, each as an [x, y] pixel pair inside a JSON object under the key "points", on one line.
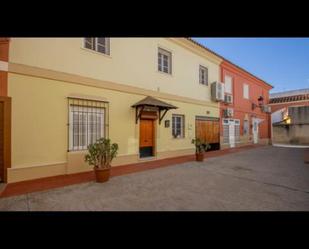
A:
{"points": [[101, 153], [200, 146]]}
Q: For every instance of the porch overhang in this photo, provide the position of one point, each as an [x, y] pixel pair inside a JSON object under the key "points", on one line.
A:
{"points": [[152, 104]]}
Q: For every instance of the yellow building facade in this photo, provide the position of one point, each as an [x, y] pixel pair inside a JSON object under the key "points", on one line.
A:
{"points": [[44, 74]]}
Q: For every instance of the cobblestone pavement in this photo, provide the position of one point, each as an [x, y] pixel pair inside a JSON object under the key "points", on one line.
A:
{"points": [[265, 178]]}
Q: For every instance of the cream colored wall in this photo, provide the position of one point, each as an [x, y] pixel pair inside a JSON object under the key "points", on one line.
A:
{"points": [[40, 117], [133, 61]]}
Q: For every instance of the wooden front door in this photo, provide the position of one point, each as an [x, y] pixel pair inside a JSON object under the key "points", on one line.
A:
{"points": [[208, 130], [146, 137], [1, 141], [5, 136]]}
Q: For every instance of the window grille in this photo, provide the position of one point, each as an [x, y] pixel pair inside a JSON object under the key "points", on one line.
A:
{"points": [[226, 134], [237, 133], [88, 121]]}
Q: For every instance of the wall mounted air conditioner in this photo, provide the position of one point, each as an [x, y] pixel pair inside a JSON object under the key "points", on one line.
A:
{"points": [[266, 108], [228, 98], [217, 91]]}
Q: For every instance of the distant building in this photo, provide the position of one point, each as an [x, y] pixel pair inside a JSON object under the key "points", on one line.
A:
{"points": [[290, 117], [289, 98]]}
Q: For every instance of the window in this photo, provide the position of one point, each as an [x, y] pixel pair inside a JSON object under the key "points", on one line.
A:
{"points": [[246, 91], [228, 84], [86, 123], [164, 61], [178, 126], [226, 132], [231, 131], [203, 75], [99, 44], [246, 128], [237, 131]]}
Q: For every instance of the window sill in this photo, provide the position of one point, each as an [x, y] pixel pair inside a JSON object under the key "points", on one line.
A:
{"points": [[178, 138], [78, 151], [96, 52], [163, 73]]}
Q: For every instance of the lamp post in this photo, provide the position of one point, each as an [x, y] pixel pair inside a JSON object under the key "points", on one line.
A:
{"points": [[260, 100]]}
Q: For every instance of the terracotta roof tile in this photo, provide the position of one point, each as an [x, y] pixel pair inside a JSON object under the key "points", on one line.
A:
{"points": [[150, 101], [302, 97]]}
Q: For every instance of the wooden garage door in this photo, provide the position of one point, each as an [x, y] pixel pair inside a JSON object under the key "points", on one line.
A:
{"points": [[208, 130]]}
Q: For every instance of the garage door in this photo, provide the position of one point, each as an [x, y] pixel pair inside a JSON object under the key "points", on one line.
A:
{"points": [[207, 129]]}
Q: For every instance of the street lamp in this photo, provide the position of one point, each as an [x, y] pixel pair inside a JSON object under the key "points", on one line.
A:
{"points": [[260, 100]]}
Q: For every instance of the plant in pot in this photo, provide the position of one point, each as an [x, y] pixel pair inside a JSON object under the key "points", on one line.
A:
{"points": [[100, 155], [200, 148]]}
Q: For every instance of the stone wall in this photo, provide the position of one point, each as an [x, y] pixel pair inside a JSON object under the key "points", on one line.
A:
{"points": [[291, 134], [299, 115]]}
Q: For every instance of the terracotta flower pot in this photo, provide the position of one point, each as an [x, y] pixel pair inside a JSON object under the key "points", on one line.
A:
{"points": [[102, 175], [199, 157]]}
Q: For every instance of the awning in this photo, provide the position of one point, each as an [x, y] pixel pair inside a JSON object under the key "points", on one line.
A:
{"points": [[259, 120], [155, 105]]}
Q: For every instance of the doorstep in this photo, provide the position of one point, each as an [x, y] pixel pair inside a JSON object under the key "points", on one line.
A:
{"points": [[2, 187], [41, 184]]}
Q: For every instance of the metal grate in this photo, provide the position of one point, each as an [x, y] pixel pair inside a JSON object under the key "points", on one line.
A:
{"points": [[237, 133], [87, 121], [226, 134]]}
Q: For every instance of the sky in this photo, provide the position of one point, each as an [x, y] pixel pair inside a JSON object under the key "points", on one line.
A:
{"points": [[281, 62]]}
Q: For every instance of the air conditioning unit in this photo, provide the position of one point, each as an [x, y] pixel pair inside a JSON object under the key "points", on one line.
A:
{"points": [[217, 91], [228, 98], [266, 108], [228, 113]]}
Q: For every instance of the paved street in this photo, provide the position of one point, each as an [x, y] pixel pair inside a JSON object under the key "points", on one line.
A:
{"points": [[265, 178]]}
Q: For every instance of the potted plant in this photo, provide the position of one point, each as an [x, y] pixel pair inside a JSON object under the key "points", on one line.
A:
{"points": [[200, 148], [100, 155]]}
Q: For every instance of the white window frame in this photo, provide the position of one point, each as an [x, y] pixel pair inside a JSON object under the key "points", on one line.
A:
{"points": [[245, 93], [87, 111], [95, 44], [182, 126], [226, 83], [227, 122], [161, 59], [201, 69]]}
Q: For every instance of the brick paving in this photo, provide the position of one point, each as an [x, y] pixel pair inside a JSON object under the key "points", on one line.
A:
{"points": [[265, 178], [25, 187]]}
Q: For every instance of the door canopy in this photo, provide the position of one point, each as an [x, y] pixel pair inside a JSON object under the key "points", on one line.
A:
{"points": [[152, 108]]}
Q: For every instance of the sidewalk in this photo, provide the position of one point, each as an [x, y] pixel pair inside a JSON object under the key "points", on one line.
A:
{"points": [[41, 184]]}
